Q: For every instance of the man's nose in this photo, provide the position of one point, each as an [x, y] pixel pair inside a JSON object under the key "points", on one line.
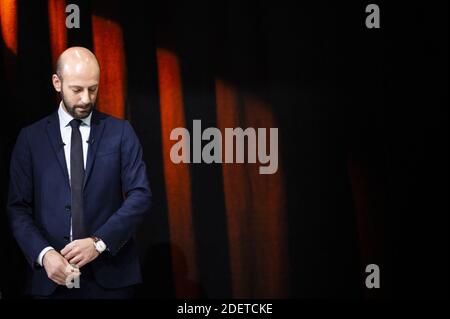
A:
{"points": [[85, 98]]}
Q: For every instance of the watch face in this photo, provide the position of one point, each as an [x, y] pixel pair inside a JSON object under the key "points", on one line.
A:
{"points": [[100, 246]]}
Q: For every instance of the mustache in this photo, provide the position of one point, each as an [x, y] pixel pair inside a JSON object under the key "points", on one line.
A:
{"points": [[90, 105]]}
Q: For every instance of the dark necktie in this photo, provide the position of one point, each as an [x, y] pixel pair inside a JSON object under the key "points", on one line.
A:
{"points": [[76, 180]]}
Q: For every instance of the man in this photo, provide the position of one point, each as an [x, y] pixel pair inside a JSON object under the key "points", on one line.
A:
{"points": [[78, 190]]}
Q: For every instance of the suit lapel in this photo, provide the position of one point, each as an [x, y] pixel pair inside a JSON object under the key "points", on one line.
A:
{"points": [[97, 127], [54, 135]]}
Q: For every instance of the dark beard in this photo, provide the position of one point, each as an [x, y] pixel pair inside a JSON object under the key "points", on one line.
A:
{"points": [[71, 109]]}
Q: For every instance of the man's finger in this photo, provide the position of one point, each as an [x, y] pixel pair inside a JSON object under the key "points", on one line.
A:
{"points": [[71, 254], [65, 262], [59, 278], [56, 281], [75, 260], [82, 263], [68, 248], [61, 282]]}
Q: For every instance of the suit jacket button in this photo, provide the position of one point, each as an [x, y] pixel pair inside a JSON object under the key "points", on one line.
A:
{"points": [[67, 208]]}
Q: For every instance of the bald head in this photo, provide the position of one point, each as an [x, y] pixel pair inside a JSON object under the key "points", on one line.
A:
{"points": [[76, 79], [77, 60]]}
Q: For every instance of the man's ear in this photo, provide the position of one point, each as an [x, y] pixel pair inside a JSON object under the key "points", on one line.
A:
{"points": [[56, 82]]}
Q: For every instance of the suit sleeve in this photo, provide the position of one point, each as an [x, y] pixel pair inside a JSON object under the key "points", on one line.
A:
{"points": [[20, 201], [121, 225]]}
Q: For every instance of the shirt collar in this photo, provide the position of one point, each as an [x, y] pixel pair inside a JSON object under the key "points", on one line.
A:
{"points": [[65, 118]]}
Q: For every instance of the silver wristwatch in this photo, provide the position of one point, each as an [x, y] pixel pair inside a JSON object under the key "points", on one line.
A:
{"points": [[99, 244]]}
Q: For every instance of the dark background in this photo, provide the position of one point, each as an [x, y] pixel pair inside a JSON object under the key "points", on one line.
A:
{"points": [[363, 123]]}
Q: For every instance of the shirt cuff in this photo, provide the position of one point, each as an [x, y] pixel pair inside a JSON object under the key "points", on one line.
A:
{"points": [[41, 255]]}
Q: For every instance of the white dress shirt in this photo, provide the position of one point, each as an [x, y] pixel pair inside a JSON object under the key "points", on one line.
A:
{"points": [[66, 135]]}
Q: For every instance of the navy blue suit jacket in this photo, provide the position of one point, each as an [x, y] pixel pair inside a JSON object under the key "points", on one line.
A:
{"points": [[116, 197]]}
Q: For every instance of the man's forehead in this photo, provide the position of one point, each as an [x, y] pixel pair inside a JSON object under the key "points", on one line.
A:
{"points": [[79, 84], [81, 75]]}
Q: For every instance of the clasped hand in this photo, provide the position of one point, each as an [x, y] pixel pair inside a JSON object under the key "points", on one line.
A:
{"points": [[67, 263]]}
